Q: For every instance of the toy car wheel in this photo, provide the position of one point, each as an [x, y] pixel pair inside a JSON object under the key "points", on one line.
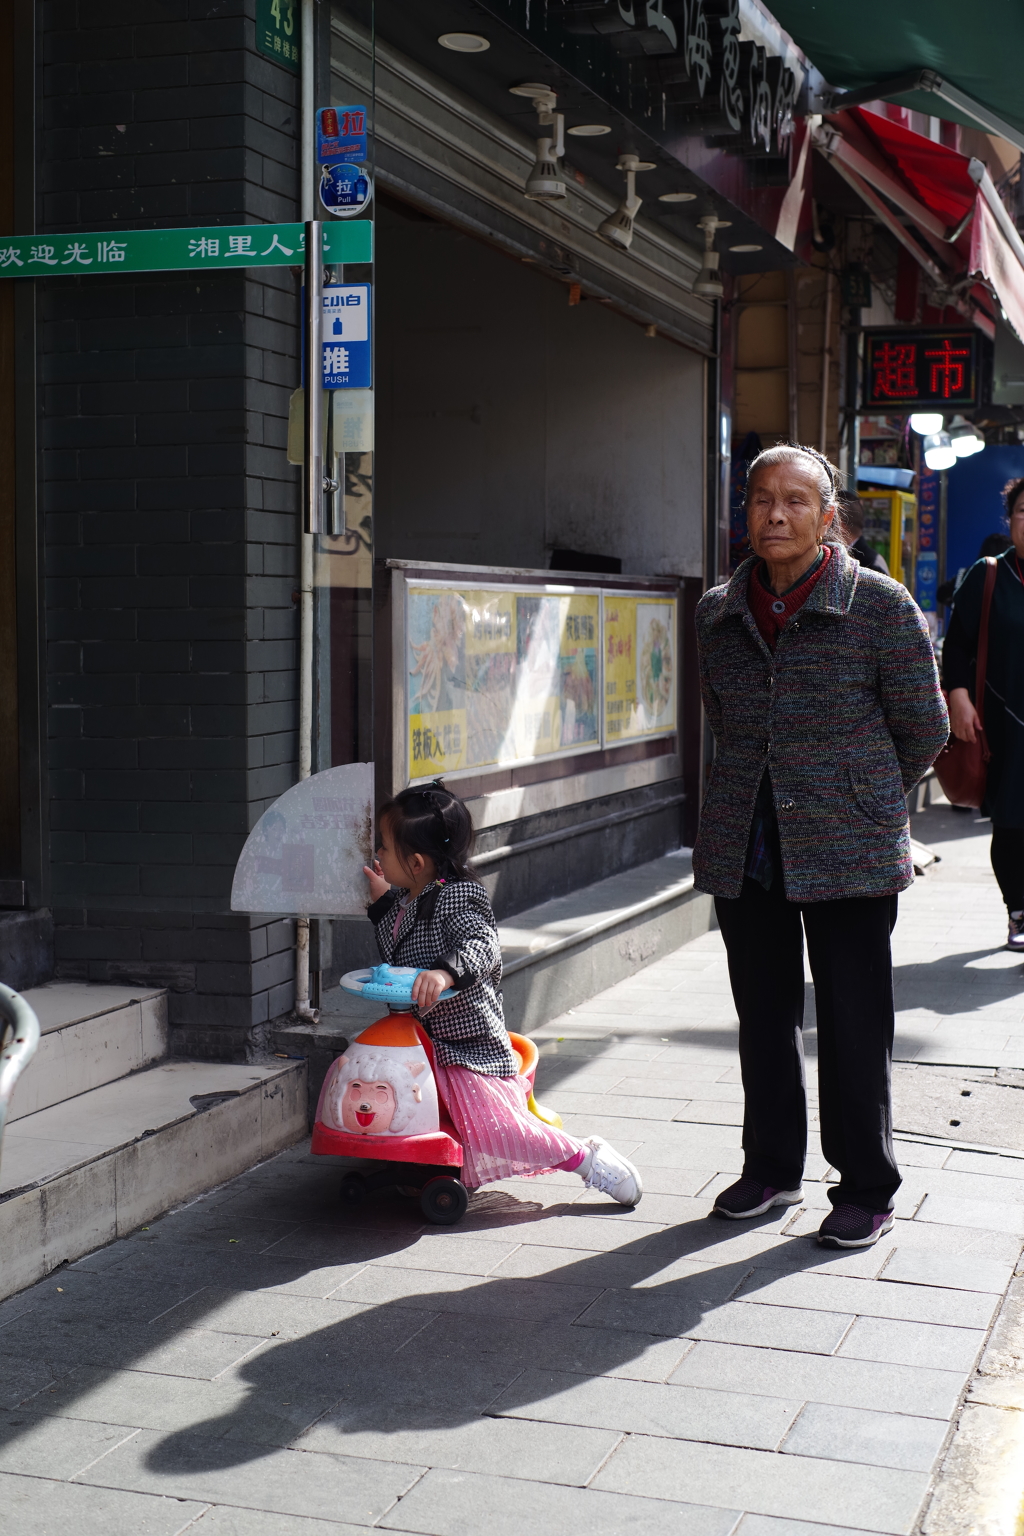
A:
{"points": [[353, 1189], [444, 1201]]}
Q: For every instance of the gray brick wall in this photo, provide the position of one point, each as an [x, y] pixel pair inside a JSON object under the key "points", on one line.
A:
{"points": [[169, 510]]}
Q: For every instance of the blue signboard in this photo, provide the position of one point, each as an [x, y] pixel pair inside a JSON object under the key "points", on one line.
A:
{"points": [[344, 188], [926, 579], [347, 361], [340, 134]]}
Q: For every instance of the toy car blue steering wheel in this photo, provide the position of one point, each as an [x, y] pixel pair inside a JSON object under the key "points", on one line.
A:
{"points": [[391, 984]]}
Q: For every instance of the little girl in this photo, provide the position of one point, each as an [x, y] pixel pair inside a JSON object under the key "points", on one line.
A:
{"points": [[429, 911]]}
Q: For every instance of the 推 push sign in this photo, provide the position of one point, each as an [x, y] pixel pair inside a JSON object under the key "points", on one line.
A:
{"points": [[347, 362]]}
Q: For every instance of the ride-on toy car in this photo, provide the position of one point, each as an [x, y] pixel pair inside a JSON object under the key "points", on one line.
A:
{"points": [[379, 1101]]}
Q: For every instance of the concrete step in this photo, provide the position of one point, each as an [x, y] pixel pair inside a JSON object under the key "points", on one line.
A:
{"points": [[82, 1172], [555, 955], [91, 1034]]}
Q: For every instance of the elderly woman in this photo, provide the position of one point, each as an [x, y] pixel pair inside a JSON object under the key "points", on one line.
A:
{"points": [[820, 686]]}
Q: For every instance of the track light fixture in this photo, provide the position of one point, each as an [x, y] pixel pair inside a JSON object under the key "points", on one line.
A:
{"points": [[544, 183], [708, 281], [617, 228], [965, 438], [938, 451]]}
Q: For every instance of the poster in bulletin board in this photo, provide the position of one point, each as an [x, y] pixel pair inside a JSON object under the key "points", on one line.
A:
{"points": [[499, 676], [639, 666]]}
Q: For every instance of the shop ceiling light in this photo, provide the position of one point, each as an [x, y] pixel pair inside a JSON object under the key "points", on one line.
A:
{"points": [[926, 423], [678, 197], [966, 440], [938, 451], [589, 130], [617, 228], [743, 250], [464, 42], [708, 281], [544, 183]]}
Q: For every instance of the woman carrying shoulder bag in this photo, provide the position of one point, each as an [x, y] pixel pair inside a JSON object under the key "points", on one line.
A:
{"points": [[1003, 703]]}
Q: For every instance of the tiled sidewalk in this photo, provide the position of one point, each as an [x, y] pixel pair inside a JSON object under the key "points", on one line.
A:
{"points": [[263, 1364]]}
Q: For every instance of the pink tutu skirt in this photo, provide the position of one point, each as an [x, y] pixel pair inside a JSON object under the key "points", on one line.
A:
{"points": [[500, 1137]]}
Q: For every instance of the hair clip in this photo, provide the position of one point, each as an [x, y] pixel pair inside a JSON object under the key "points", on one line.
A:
{"points": [[826, 466]]}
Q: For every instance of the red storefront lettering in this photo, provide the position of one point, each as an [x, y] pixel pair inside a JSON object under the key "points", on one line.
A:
{"points": [[895, 371], [947, 377]]}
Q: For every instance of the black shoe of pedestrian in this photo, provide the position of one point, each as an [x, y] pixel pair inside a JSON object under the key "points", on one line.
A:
{"points": [[749, 1197], [848, 1226]]}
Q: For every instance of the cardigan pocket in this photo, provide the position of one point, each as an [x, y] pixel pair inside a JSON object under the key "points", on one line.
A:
{"points": [[879, 797]]}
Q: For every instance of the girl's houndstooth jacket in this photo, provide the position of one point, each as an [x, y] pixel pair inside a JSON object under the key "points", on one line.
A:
{"points": [[450, 926]]}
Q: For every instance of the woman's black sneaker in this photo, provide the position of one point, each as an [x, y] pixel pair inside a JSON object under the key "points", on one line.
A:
{"points": [[848, 1226], [749, 1197]]}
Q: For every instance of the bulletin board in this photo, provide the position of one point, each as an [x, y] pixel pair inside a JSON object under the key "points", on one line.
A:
{"points": [[506, 675]]}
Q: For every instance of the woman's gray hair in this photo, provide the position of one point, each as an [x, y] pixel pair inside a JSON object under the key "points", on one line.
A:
{"points": [[826, 473]]}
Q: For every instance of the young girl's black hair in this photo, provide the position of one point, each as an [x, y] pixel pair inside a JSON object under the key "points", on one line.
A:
{"points": [[435, 823]]}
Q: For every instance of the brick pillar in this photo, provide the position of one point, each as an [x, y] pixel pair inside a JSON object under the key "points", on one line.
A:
{"points": [[170, 511]]}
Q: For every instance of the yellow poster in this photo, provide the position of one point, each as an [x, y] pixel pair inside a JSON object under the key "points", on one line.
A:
{"points": [[490, 619], [437, 743], [510, 674], [639, 667]]}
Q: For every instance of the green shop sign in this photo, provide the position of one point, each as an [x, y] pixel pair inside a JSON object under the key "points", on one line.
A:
{"points": [[177, 250]]}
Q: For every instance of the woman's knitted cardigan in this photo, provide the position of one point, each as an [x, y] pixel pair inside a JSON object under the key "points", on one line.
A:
{"points": [[846, 716]]}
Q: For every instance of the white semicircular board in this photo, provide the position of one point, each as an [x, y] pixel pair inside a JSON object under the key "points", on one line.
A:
{"points": [[306, 853]]}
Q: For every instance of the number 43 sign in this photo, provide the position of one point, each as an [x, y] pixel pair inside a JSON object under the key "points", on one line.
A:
{"points": [[277, 31]]}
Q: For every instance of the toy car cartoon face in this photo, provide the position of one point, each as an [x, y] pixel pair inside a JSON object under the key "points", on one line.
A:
{"points": [[368, 1107]]}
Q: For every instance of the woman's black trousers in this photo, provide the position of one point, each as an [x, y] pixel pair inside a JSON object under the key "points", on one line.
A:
{"points": [[1008, 865], [851, 963]]}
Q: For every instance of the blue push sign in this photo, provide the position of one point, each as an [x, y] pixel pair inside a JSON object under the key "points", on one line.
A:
{"points": [[347, 362]]}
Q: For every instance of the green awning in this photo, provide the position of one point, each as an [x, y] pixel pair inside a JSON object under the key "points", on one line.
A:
{"points": [[978, 50]]}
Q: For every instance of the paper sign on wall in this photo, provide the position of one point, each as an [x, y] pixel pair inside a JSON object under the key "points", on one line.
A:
{"points": [[306, 853]]}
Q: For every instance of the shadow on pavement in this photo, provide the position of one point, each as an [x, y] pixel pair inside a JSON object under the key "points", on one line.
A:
{"points": [[937, 985], [437, 1354], [439, 1358]]}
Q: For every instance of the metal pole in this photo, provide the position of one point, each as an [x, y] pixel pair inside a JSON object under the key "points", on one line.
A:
{"points": [[312, 474], [826, 358], [943, 521], [313, 470]]}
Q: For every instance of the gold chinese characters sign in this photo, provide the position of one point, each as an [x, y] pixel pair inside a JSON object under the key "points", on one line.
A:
{"points": [[508, 675]]}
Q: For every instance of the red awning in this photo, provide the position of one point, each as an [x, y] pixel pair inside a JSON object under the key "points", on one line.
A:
{"points": [[937, 176], [961, 229], [994, 259]]}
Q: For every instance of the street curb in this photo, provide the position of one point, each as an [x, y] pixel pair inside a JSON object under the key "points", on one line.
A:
{"points": [[979, 1489]]}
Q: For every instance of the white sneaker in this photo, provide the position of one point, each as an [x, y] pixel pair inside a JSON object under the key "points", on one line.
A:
{"points": [[606, 1170], [1015, 937]]}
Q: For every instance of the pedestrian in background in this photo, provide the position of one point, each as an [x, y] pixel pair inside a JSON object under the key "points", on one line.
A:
{"points": [[852, 518], [1003, 703], [821, 689]]}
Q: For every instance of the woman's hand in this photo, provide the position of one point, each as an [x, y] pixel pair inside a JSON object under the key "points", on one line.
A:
{"points": [[963, 717], [429, 985], [378, 885]]}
